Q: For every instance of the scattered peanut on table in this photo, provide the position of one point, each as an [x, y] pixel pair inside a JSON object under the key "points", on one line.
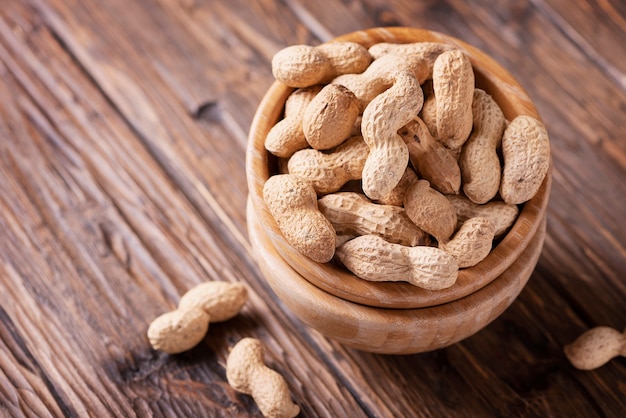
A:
{"points": [[595, 347], [247, 373], [183, 328], [441, 174]]}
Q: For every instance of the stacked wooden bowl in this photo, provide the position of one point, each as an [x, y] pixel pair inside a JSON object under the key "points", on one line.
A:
{"points": [[395, 317]]}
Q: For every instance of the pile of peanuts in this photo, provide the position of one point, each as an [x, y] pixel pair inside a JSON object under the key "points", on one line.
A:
{"points": [[393, 162]]}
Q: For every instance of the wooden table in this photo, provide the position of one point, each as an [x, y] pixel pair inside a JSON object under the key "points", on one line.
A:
{"points": [[123, 125]]}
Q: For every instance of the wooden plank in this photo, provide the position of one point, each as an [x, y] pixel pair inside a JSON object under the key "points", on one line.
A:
{"points": [[22, 386], [597, 27], [92, 102], [171, 135], [104, 246], [44, 311]]}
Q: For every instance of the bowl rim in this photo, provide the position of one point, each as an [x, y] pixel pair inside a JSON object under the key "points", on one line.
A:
{"points": [[490, 76]]}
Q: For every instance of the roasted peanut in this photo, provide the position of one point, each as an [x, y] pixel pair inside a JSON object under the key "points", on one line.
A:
{"points": [[221, 300], [396, 196], [382, 118], [428, 114], [431, 159], [377, 78], [419, 56], [353, 214], [330, 117], [431, 211], [471, 243], [183, 328], [502, 215], [479, 161], [292, 202], [247, 373], [304, 66], [372, 258], [453, 85], [328, 171], [595, 347], [526, 152], [287, 136], [178, 331]]}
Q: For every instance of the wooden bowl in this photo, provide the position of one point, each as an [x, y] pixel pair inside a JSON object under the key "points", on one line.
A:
{"points": [[334, 281], [386, 330]]}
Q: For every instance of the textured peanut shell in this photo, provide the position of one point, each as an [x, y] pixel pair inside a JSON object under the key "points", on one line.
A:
{"points": [[178, 330], [428, 114], [304, 66], [595, 347], [300, 66], [430, 211], [353, 214], [330, 117], [453, 85], [372, 258], [221, 300], [479, 161], [345, 58], [526, 153], [287, 136], [293, 204], [382, 118], [377, 78], [501, 215], [471, 243], [419, 56], [396, 196], [329, 171], [431, 159], [247, 373]]}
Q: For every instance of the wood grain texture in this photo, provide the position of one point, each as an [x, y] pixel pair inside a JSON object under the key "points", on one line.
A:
{"points": [[123, 129]]}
